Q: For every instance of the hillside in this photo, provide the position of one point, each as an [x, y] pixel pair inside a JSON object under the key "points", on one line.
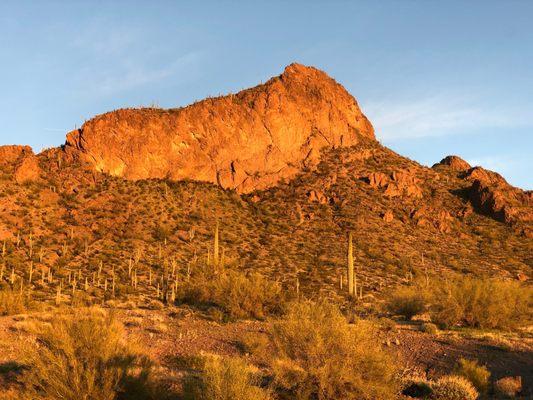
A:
{"points": [[407, 221], [187, 253]]}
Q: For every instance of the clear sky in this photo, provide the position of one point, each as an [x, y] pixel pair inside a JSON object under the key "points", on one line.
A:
{"points": [[434, 77]]}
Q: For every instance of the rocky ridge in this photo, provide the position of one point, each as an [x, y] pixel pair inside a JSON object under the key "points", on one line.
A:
{"points": [[244, 141]]}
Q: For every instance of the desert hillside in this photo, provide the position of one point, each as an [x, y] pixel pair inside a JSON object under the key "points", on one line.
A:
{"points": [[190, 220]]}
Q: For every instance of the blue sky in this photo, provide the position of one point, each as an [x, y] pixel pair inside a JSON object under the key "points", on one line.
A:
{"points": [[434, 77]]}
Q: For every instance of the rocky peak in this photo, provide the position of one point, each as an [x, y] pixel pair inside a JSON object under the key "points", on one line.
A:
{"points": [[454, 162], [244, 141]]}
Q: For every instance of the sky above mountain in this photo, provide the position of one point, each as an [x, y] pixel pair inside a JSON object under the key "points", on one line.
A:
{"points": [[435, 78]]}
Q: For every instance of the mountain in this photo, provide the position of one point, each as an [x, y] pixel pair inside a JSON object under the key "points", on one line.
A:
{"points": [[245, 141], [286, 169]]}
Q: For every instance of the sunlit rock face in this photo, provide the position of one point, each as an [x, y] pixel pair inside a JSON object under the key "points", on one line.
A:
{"points": [[246, 141]]}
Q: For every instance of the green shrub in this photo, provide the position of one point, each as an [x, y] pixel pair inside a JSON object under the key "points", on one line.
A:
{"points": [[467, 301], [85, 357], [407, 301], [238, 295], [453, 388], [224, 379], [477, 374], [316, 354], [481, 303]]}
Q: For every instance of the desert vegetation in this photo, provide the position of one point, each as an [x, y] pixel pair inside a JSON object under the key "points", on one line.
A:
{"points": [[11, 302], [466, 301], [306, 349], [225, 379], [85, 354], [322, 287], [317, 354]]}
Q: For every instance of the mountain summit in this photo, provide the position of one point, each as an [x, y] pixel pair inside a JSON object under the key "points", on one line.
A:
{"points": [[244, 141]]}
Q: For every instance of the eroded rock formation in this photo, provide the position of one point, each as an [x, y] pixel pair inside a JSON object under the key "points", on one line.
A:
{"points": [[245, 141]]}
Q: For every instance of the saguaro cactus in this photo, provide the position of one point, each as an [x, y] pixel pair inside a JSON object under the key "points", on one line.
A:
{"points": [[351, 281], [216, 258]]}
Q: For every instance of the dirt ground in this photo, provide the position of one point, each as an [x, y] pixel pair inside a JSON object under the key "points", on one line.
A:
{"points": [[172, 334]]}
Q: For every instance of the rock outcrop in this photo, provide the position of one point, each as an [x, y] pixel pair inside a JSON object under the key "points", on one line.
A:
{"points": [[492, 195], [21, 162], [455, 163], [9, 155], [245, 141]]}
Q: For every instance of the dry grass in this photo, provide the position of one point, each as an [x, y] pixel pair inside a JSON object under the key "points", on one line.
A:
{"points": [[84, 356], [508, 387], [11, 302], [477, 374], [317, 355], [224, 379]]}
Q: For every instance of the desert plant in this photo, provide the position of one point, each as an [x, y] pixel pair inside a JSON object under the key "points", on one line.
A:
{"points": [[237, 294], [85, 357], [224, 379], [407, 301], [11, 302], [453, 387], [508, 387], [477, 374], [481, 303], [352, 282], [316, 354], [428, 327]]}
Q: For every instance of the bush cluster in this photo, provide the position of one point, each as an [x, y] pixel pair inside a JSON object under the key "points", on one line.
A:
{"points": [[468, 301], [236, 294], [224, 379], [316, 354], [85, 357], [477, 374]]}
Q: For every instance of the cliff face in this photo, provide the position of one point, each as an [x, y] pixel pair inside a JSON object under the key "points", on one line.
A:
{"points": [[245, 141]]}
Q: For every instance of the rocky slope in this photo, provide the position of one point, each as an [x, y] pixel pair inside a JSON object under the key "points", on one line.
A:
{"points": [[245, 141], [306, 168]]}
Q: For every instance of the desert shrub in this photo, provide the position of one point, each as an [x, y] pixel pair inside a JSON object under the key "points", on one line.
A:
{"points": [[508, 387], [428, 327], [224, 379], [11, 302], [316, 354], [481, 303], [85, 357], [237, 294], [453, 387], [407, 301], [477, 374]]}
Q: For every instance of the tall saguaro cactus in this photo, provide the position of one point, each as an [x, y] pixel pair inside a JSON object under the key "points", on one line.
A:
{"points": [[216, 248], [351, 276]]}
